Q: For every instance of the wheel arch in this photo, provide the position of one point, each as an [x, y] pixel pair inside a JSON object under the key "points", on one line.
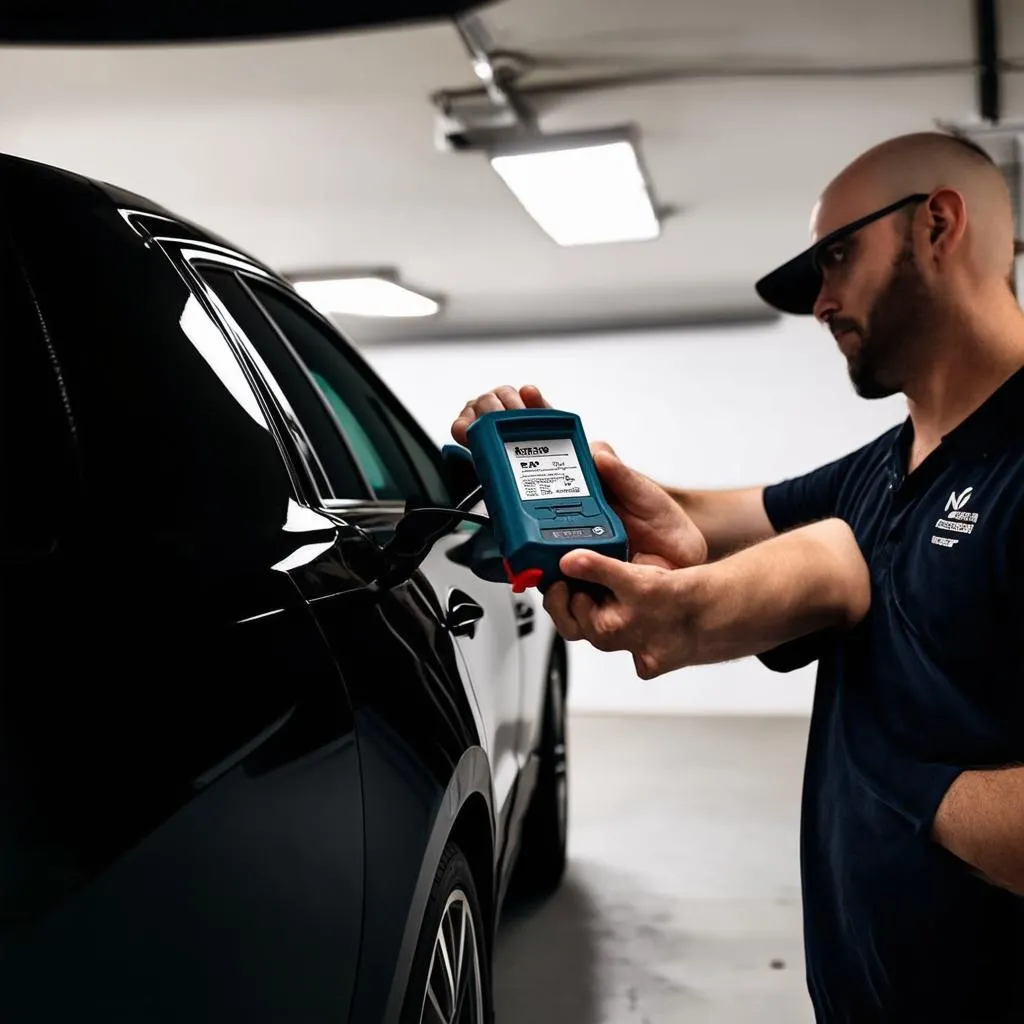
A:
{"points": [[465, 815]]}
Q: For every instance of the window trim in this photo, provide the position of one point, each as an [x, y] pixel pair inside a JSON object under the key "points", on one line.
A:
{"points": [[380, 393], [302, 483], [188, 255], [342, 434], [297, 449]]}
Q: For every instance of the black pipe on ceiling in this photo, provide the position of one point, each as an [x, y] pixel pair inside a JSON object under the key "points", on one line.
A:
{"points": [[987, 37]]}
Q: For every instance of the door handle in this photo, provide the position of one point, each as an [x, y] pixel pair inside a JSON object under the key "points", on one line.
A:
{"points": [[463, 614], [524, 618]]}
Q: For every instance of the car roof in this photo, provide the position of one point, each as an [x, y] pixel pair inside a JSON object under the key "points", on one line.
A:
{"points": [[21, 174]]}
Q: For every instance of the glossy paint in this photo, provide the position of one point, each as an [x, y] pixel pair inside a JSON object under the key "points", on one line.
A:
{"points": [[228, 764]]}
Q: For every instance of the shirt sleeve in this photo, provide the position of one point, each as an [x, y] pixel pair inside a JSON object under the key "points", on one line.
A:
{"points": [[806, 499], [796, 502]]}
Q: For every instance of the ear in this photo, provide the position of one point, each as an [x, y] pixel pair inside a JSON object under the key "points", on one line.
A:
{"points": [[946, 220]]}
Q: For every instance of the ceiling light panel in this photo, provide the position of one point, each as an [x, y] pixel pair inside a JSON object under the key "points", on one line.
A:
{"points": [[582, 192], [367, 296]]}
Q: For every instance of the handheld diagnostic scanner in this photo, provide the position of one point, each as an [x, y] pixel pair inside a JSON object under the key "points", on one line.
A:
{"points": [[542, 493]]}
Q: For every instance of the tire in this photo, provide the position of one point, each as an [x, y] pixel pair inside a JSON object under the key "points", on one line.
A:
{"points": [[453, 911], [542, 855]]}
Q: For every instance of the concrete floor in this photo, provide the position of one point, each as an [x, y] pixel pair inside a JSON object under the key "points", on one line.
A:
{"points": [[681, 904]]}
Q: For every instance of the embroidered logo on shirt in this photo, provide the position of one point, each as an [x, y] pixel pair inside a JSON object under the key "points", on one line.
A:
{"points": [[956, 520], [957, 501]]}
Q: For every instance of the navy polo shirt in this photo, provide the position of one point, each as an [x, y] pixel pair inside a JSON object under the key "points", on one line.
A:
{"points": [[929, 684]]}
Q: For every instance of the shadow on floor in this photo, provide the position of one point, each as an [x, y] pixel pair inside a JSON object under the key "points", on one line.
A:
{"points": [[545, 969]]}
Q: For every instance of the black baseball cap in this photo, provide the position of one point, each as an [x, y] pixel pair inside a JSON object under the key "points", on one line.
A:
{"points": [[793, 287]]}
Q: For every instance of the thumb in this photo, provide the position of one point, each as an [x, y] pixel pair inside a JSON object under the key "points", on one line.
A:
{"points": [[591, 567], [632, 488]]}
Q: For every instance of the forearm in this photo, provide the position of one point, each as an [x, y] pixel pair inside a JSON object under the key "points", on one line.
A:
{"points": [[981, 821], [786, 587], [730, 520]]}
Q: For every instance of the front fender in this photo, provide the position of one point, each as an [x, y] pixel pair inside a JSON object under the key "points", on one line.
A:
{"points": [[472, 777]]}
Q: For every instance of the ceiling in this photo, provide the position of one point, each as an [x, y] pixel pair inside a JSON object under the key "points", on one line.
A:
{"points": [[319, 152]]}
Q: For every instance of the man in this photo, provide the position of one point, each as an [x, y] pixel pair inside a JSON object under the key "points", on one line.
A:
{"points": [[898, 568]]}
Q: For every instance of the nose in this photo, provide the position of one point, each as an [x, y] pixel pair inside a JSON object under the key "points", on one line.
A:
{"points": [[825, 305]]}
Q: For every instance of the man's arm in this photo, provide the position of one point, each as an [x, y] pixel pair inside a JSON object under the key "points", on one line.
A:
{"points": [[981, 821], [809, 579], [729, 519]]}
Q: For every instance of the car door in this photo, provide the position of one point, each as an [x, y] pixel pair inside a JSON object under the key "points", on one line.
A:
{"points": [[181, 811], [398, 464]]}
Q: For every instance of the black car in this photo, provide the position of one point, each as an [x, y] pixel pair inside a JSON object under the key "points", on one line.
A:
{"points": [[257, 761]]}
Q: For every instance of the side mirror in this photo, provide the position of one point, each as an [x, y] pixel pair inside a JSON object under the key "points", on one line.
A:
{"points": [[459, 471], [481, 555], [414, 535], [420, 528]]}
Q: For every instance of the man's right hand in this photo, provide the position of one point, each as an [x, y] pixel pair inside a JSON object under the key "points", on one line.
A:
{"points": [[505, 397], [660, 532]]}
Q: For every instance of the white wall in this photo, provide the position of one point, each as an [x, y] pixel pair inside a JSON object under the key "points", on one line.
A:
{"points": [[709, 407]]}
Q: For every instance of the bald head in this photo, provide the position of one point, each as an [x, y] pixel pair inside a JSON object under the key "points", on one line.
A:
{"points": [[926, 162]]}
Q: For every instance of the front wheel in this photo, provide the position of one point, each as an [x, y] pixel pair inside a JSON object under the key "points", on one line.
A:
{"points": [[450, 981]]}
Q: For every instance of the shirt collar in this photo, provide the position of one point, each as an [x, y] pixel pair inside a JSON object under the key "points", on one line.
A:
{"points": [[1000, 416]]}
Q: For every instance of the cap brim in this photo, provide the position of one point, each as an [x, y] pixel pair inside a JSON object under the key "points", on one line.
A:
{"points": [[793, 287]]}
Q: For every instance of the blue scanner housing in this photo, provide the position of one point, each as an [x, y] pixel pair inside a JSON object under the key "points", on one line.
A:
{"points": [[542, 492]]}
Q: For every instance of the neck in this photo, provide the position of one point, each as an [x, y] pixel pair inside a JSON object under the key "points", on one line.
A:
{"points": [[968, 364]]}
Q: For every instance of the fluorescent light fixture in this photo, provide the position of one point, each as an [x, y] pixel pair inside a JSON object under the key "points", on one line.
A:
{"points": [[582, 188], [370, 295]]}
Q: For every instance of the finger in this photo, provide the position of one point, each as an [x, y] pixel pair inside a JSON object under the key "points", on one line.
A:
{"points": [[646, 666], [582, 607], [556, 604], [631, 487], [509, 397], [601, 446], [462, 423], [488, 402], [656, 560], [613, 573], [532, 398]]}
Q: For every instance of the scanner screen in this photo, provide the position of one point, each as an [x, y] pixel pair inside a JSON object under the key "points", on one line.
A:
{"points": [[546, 468]]}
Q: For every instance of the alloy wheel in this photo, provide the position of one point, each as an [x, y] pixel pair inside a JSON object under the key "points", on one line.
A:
{"points": [[454, 992]]}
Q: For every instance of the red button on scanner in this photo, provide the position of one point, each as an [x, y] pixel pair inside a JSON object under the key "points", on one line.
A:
{"points": [[521, 580]]}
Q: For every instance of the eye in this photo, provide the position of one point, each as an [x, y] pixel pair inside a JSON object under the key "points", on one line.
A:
{"points": [[835, 255]]}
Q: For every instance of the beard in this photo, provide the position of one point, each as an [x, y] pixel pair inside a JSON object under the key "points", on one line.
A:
{"points": [[901, 318]]}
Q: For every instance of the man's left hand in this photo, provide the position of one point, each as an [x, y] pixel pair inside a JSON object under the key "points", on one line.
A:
{"points": [[647, 611]]}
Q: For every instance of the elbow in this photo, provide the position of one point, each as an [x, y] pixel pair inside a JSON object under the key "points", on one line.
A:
{"points": [[856, 577], [857, 598], [850, 575]]}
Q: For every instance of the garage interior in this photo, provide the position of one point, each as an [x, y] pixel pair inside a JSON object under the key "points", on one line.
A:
{"points": [[333, 156]]}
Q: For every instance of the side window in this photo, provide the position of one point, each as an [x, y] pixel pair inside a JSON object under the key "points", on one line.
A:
{"points": [[338, 465], [397, 465]]}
